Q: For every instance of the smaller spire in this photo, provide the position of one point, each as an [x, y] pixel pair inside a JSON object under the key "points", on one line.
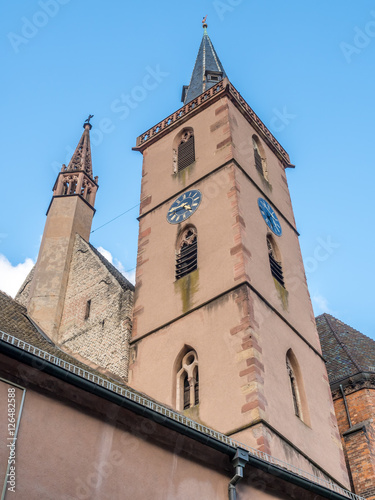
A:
{"points": [[81, 159], [77, 178]]}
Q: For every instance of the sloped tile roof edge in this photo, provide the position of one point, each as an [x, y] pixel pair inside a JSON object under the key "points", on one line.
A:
{"points": [[119, 277], [347, 351]]}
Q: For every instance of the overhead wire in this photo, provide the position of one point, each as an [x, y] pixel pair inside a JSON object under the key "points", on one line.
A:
{"points": [[117, 216]]}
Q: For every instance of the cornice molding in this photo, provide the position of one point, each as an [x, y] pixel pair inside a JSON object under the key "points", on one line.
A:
{"points": [[223, 88]]}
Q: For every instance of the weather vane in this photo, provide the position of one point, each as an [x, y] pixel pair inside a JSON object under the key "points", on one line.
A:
{"points": [[204, 20], [88, 119]]}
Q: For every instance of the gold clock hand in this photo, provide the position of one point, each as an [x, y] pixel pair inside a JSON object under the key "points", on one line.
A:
{"points": [[176, 208]]}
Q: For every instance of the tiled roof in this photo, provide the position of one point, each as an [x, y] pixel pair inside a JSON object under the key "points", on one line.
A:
{"points": [[207, 60], [346, 350], [15, 321]]}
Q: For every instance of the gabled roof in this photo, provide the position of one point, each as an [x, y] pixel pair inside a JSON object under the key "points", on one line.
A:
{"points": [[207, 63], [119, 277], [346, 350]]}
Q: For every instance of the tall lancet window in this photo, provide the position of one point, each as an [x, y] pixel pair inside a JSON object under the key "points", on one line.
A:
{"points": [[296, 387], [187, 385], [187, 252], [186, 150], [259, 157]]}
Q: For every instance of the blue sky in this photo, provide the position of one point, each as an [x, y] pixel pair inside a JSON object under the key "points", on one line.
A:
{"points": [[306, 68]]}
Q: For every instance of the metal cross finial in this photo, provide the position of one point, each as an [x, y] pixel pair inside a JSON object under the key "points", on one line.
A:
{"points": [[88, 119]]}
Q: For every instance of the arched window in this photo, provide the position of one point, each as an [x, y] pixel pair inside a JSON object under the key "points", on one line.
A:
{"points": [[275, 260], [187, 252], [294, 389], [187, 382], [297, 388], [73, 186], [185, 150], [259, 157]]}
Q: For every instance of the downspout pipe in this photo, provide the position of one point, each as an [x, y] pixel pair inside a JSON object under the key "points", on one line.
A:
{"points": [[241, 458], [346, 406]]}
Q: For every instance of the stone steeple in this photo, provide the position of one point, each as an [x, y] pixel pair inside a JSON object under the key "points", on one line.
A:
{"points": [[70, 213], [77, 178], [208, 70], [81, 159]]}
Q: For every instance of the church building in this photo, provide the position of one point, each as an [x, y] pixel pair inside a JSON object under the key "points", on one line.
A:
{"points": [[205, 380]]}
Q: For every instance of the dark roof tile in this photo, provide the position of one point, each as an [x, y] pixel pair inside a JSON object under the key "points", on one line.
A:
{"points": [[346, 350]]}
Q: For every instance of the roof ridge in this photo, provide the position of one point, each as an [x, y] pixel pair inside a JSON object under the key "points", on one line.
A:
{"points": [[119, 277], [343, 345], [9, 297], [346, 324]]}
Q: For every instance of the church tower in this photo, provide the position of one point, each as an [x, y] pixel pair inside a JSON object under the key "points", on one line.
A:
{"points": [[223, 327], [70, 212]]}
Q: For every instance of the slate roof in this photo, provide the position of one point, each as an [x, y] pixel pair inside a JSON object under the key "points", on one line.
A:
{"points": [[346, 350], [207, 60]]}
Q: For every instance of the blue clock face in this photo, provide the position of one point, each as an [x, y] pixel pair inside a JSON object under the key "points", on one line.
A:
{"points": [[269, 216], [184, 207]]}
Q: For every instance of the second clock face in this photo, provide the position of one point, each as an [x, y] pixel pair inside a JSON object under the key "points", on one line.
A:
{"points": [[185, 205], [269, 216]]}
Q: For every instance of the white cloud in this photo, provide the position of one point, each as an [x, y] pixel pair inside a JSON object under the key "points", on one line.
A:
{"points": [[106, 254], [12, 277], [130, 275], [320, 304]]}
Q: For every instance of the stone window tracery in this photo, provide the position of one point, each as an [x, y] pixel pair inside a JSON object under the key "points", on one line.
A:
{"points": [[187, 382]]}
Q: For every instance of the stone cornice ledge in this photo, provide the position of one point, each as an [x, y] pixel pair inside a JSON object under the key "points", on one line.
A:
{"points": [[223, 88]]}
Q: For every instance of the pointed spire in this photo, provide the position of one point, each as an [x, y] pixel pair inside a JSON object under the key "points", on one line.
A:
{"points": [[77, 178], [208, 69], [81, 159]]}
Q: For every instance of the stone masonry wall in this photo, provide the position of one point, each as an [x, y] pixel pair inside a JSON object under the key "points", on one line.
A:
{"points": [[359, 439], [23, 293], [97, 332]]}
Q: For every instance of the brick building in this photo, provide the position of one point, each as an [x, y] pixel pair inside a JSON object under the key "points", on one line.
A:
{"points": [[350, 358], [212, 384]]}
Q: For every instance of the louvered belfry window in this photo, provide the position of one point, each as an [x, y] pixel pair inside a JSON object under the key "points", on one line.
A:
{"points": [[186, 152], [187, 255], [275, 265]]}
